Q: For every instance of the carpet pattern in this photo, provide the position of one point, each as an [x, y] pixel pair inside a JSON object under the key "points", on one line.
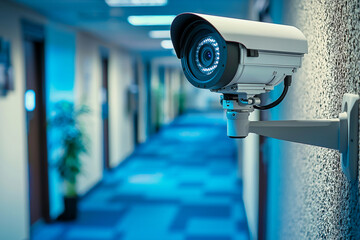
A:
{"points": [[180, 185]]}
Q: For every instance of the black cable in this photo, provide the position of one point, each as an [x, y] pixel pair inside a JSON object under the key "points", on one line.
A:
{"points": [[287, 84]]}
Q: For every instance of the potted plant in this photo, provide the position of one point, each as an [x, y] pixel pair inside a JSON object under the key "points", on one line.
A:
{"points": [[72, 143]]}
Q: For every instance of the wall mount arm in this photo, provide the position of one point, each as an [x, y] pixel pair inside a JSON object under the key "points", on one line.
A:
{"points": [[330, 133], [341, 133]]}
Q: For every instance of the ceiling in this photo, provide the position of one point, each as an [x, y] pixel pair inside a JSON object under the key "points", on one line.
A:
{"points": [[110, 23]]}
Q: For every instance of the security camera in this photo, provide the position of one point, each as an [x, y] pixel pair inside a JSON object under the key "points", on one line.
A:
{"points": [[238, 58], [243, 59], [234, 56]]}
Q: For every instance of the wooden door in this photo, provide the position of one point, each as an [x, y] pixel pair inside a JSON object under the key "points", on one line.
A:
{"points": [[36, 130], [105, 111]]}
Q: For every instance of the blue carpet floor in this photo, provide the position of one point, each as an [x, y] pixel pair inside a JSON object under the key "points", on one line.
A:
{"points": [[180, 185]]}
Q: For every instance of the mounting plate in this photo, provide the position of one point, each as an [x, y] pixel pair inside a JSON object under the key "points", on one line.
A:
{"points": [[349, 158]]}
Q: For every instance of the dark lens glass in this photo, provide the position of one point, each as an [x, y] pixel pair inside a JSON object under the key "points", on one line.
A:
{"points": [[208, 55]]}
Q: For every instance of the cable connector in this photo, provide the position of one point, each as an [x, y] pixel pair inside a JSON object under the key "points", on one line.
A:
{"points": [[287, 84], [287, 81]]}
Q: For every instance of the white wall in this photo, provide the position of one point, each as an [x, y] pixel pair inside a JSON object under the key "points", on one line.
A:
{"points": [[14, 210], [120, 122], [155, 94], [170, 101], [200, 99], [165, 95], [175, 91], [167, 103], [142, 113], [88, 91]]}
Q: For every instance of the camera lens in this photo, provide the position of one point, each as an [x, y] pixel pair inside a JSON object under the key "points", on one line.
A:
{"points": [[207, 55]]}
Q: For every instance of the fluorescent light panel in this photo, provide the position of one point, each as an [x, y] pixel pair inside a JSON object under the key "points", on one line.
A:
{"points": [[159, 34], [167, 44], [135, 3], [151, 20]]}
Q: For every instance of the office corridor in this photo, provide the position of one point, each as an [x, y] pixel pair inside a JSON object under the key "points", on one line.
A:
{"points": [[180, 185]]}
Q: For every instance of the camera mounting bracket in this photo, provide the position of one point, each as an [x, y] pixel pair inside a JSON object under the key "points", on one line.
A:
{"points": [[241, 88], [340, 133]]}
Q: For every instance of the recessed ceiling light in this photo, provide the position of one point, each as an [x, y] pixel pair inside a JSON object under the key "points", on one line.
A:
{"points": [[135, 3], [151, 20], [159, 34], [167, 44]]}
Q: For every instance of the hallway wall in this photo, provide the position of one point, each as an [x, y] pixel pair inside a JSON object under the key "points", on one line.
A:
{"points": [[172, 94], [310, 198], [88, 92], [72, 72], [165, 93], [121, 123], [143, 113], [14, 217]]}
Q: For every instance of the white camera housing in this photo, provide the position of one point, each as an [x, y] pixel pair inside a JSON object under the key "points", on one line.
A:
{"points": [[244, 58], [259, 55]]}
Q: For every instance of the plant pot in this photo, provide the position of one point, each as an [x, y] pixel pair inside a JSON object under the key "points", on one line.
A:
{"points": [[70, 209]]}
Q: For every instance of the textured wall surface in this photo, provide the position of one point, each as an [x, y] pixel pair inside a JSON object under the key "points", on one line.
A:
{"points": [[315, 199]]}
